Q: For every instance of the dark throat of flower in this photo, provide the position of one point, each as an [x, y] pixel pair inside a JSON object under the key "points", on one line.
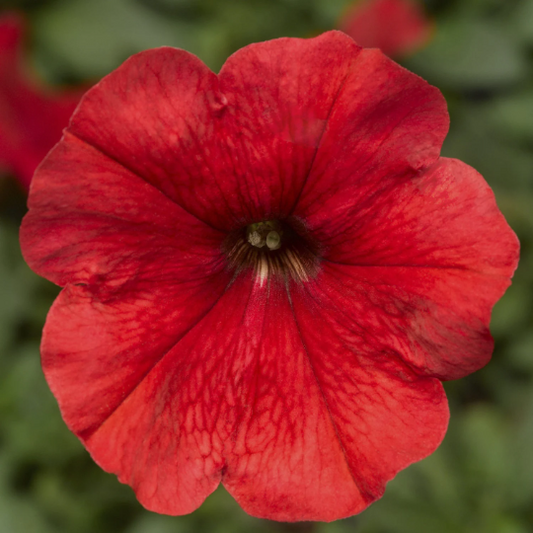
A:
{"points": [[274, 248]]}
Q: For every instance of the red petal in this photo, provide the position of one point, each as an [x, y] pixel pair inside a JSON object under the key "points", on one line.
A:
{"points": [[173, 374], [107, 226], [324, 426], [154, 116], [436, 320], [139, 272], [386, 125], [170, 407], [397, 27], [246, 139], [444, 217], [132, 378], [281, 94], [31, 117], [429, 257]]}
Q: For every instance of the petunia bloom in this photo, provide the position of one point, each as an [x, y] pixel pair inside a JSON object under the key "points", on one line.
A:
{"points": [[31, 116], [397, 27], [266, 275]]}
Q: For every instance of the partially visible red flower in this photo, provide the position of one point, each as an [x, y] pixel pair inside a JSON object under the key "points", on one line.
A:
{"points": [[267, 274], [397, 27], [32, 117]]}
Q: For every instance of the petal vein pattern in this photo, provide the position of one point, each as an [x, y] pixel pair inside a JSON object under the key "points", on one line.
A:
{"points": [[173, 419], [380, 114], [287, 459], [133, 171], [267, 274], [246, 139], [114, 224], [324, 399], [375, 401]]}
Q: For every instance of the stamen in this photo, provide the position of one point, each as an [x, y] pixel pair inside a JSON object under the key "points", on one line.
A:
{"points": [[273, 240], [267, 233], [274, 248], [256, 240]]}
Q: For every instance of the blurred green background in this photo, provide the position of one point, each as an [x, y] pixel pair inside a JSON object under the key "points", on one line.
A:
{"points": [[481, 478]]}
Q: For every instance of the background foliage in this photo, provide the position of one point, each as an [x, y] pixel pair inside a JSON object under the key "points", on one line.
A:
{"points": [[481, 478]]}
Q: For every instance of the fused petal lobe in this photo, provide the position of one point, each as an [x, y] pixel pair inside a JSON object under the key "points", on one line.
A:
{"points": [[329, 420], [304, 395], [443, 216], [422, 264], [108, 226], [247, 138], [146, 385], [387, 125]]}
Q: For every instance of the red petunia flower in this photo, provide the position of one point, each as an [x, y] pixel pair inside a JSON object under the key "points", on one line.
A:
{"points": [[397, 27], [31, 118], [266, 275]]}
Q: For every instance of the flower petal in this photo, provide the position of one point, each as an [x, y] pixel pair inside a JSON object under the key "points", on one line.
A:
{"points": [[436, 320], [420, 265], [169, 430], [247, 139], [139, 379], [107, 226], [325, 426], [386, 125], [139, 271], [286, 462], [155, 115], [280, 96], [443, 217]]}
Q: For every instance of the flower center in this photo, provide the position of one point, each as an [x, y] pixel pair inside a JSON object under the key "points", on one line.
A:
{"points": [[281, 248], [267, 234]]}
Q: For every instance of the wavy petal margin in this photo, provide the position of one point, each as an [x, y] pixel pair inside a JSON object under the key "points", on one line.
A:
{"points": [[303, 399]]}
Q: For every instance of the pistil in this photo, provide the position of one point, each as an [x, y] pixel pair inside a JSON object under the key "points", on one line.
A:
{"points": [[274, 248], [268, 233]]}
